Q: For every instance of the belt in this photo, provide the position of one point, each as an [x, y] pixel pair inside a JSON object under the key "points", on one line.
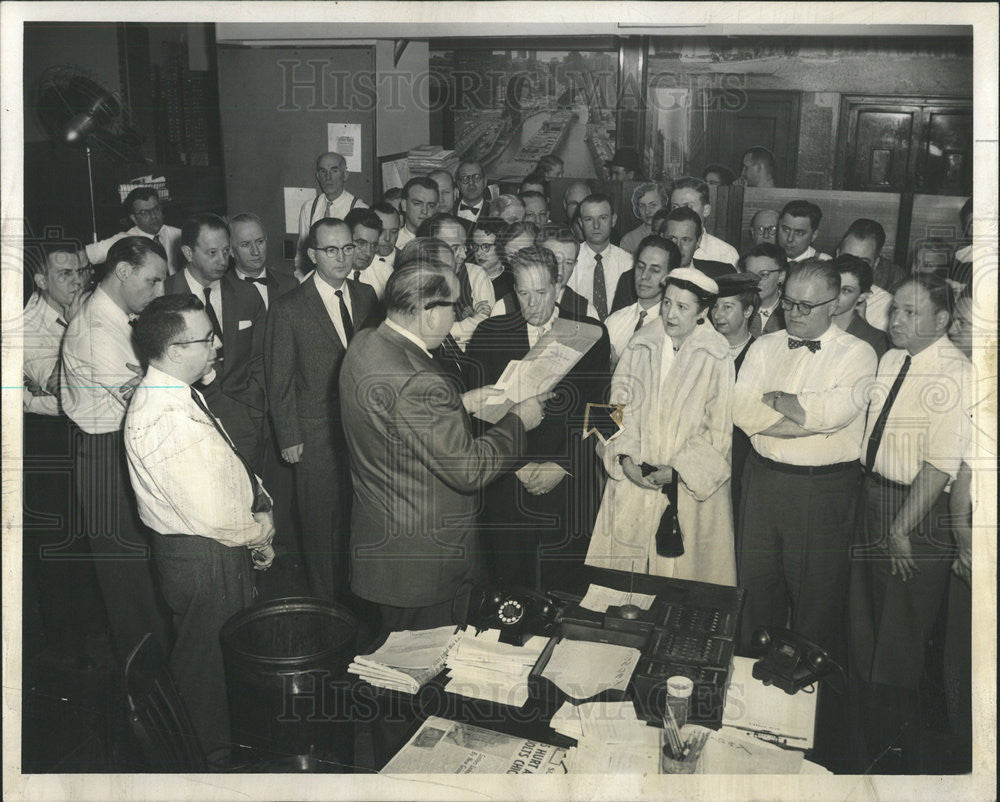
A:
{"points": [[880, 480], [805, 470]]}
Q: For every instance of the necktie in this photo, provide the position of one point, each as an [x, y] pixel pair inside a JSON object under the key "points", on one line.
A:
{"points": [[61, 322], [875, 440], [329, 209], [345, 317], [463, 207], [640, 321], [214, 319], [600, 288], [357, 275], [261, 503], [812, 345], [261, 279], [156, 238]]}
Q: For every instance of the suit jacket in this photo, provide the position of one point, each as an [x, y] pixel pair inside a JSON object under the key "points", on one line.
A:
{"points": [[775, 322], [713, 269], [573, 303], [236, 396], [303, 355], [625, 291], [863, 330], [416, 469]]}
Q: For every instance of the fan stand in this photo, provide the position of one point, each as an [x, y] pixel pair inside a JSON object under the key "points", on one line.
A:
{"points": [[90, 186]]}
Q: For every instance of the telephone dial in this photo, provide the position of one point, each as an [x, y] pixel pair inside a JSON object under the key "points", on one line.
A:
{"points": [[517, 612], [791, 662]]}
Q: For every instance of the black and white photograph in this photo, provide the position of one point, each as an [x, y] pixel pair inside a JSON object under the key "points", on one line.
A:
{"points": [[611, 387]]}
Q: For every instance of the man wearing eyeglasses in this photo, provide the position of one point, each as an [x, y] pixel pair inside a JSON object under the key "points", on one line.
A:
{"points": [[206, 508], [764, 227], [800, 398], [333, 200], [767, 261], [366, 229], [471, 180], [308, 333], [142, 207]]}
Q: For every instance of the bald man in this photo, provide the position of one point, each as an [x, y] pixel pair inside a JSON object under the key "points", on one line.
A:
{"points": [[332, 200], [764, 227], [446, 190]]}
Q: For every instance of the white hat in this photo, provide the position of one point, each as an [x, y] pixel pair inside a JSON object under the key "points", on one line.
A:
{"points": [[693, 275]]}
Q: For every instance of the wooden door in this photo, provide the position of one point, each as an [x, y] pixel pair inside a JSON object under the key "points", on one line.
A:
{"points": [[945, 162], [878, 148], [734, 123]]}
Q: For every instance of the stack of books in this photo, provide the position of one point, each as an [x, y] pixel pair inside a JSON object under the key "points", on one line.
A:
{"points": [[407, 660], [424, 159]]}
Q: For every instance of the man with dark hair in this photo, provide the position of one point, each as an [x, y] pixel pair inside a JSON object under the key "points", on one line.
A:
{"points": [[758, 168], [537, 518], [419, 203], [798, 227], [235, 389], [249, 246], [366, 228], [717, 175], [387, 252], [855, 289], [536, 207], [471, 180], [413, 517], [534, 182], [565, 247], [100, 370], [308, 333], [625, 165], [768, 263], [683, 227], [600, 265], [797, 398], [333, 200], [865, 239], [203, 503], [693, 193], [550, 166], [142, 207]]}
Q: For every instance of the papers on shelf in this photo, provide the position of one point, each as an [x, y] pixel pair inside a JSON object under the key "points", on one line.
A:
{"points": [[610, 738], [582, 669], [600, 598], [448, 747], [480, 667], [407, 659], [780, 717]]}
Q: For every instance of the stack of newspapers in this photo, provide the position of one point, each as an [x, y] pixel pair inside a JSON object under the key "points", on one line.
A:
{"points": [[407, 660], [480, 667]]}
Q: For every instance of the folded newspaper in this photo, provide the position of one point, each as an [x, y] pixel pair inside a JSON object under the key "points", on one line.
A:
{"points": [[448, 747], [407, 660], [480, 667]]}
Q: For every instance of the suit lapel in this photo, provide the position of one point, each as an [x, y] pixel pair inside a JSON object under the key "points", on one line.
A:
{"points": [[316, 307], [359, 305]]}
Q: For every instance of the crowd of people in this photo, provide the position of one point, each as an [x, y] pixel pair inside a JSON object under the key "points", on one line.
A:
{"points": [[794, 422]]}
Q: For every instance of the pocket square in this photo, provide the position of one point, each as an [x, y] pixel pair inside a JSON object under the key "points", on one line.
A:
{"points": [[245, 324]]}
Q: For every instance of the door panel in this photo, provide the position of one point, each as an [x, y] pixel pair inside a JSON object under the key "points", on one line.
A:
{"points": [[946, 167], [880, 153]]}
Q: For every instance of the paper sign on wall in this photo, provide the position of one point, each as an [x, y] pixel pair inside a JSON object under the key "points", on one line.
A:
{"points": [[294, 198], [345, 139]]}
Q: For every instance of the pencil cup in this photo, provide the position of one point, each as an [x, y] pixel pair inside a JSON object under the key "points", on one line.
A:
{"points": [[671, 765]]}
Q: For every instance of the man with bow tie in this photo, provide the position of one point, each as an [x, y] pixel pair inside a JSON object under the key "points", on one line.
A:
{"points": [[249, 245], [800, 398], [473, 203]]}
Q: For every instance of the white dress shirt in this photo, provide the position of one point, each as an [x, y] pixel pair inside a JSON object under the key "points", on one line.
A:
{"points": [[877, 308], [186, 477], [409, 335], [535, 332], [332, 304], [96, 347], [43, 330], [376, 275], [170, 237], [261, 288], [716, 250], [831, 385], [215, 298], [339, 207], [621, 326], [482, 290], [928, 421], [390, 260], [465, 214], [404, 237], [615, 261], [809, 253]]}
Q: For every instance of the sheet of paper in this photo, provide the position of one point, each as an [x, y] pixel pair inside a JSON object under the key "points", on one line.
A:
{"points": [[525, 378], [731, 751], [599, 598], [414, 648], [752, 705], [616, 723], [582, 669], [294, 198], [345, 139]]}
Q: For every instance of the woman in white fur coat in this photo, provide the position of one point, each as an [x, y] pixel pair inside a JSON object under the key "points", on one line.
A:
{"points": [[676, 384]]}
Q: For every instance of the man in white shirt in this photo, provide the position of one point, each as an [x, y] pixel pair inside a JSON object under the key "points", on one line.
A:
{"points": [[99, 373], [693, 193], [471, 180], [565, 247], [204, 504], [536, 207], [798, 227], [572, 197], [758, 168], [366, 228], [600, 264], [142, 206], [764, 227], [912, 450], [419, 203], [682, 226], [333, 200], [767, 261], [387, 250], [249, 247], [865, 239], [800, 399], [446, 190], [654, 259]]}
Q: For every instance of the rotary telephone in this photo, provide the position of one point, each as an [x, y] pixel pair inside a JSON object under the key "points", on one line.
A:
{"points": [[789, 661], [517, 612]]}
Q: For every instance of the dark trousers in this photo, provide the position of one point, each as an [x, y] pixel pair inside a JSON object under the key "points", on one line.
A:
{"points": [[322, 485], [958, 665], [119, 543], [205, 583], [279, 481], [797, 530]]}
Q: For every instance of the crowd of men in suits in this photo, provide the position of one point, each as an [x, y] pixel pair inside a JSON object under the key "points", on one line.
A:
{"points": [[222, 409]]}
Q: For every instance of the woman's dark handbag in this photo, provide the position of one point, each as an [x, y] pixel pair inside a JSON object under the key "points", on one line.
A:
{"points": [[669, 539]]}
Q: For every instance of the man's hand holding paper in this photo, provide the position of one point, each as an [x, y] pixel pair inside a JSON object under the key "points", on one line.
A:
{"points": [[539, 478]]}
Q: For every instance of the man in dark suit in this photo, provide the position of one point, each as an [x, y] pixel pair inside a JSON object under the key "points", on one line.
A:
{"points": [[855, 289], [415, 463], [538, 517], [684, 228], [767, 261], [473, 204], [308, 331], [234, 391]]}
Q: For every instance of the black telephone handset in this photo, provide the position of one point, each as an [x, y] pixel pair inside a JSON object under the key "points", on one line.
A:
{"points": [[790, 661], [517, 612]]}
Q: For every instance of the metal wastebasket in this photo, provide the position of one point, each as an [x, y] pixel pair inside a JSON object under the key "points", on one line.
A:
{"points": [[286, 662]]}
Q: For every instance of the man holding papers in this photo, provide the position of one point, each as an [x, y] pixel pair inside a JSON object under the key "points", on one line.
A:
{"points": [[540, 514]]}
